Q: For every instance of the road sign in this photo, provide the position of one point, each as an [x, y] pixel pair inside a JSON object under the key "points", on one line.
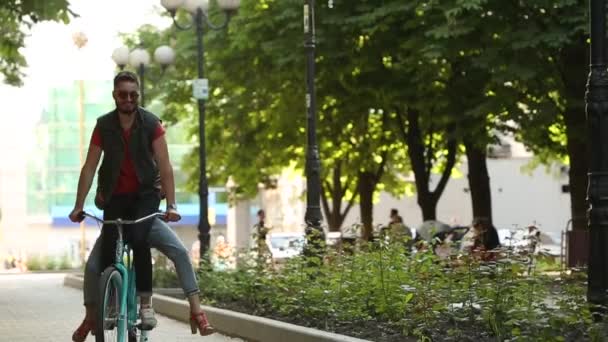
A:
{"points": [[200, 89]]}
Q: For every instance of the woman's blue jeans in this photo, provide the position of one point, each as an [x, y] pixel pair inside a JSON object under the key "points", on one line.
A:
{"points": [[161, 237]]}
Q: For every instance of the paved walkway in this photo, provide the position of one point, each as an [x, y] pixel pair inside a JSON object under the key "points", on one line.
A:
{"points": [[37, 307]]}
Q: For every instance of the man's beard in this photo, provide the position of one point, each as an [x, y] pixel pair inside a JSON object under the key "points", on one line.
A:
{"points": [[132, 108]]}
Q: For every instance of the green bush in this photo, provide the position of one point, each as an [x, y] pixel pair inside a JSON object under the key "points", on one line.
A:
{"points": [[164, 275], [64, 263], [50, 263], [384, 293], [47, 263], [34, 263]]}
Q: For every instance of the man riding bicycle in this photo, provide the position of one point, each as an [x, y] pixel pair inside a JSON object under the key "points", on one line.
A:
{"points": [[135, 163]]}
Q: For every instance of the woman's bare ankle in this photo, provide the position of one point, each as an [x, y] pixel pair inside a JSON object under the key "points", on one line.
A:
{"points": [[195, 304], [89, 314]]}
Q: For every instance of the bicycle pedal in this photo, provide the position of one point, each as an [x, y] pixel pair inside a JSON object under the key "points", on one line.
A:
{"points": [[109, 326]]}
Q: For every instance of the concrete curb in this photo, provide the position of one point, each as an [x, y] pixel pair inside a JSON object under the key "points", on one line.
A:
{"points": [[66, 271], [236, 324]]}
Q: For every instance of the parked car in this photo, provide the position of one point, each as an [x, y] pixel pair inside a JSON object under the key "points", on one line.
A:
{"points": [[284, 246]]}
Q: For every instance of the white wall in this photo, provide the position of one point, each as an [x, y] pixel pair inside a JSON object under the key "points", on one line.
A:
{"points": [[518, 199]]}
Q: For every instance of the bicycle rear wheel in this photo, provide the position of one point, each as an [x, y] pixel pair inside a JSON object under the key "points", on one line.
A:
{"points": [[109, 308]]}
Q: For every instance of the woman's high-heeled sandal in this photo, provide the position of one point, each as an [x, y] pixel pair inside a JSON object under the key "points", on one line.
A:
{"points": [[198, 321], [80, 335]]}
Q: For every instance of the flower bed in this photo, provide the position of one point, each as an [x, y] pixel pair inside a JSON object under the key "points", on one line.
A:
{"points": [[383, 293]]}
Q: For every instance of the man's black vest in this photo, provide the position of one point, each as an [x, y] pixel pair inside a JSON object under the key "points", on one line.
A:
{"points": [[140, 151]]}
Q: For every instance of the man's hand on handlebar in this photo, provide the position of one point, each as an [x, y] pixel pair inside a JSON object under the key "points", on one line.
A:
{"points": [[171, 215], [77, 215]]}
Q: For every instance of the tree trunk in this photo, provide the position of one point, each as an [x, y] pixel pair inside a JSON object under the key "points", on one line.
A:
{"points": [[428, 206], [336, 198], [367, 185], [578, 155], [574, 67], [334, 219], [334, 213], [416, 150], [479, 181]]}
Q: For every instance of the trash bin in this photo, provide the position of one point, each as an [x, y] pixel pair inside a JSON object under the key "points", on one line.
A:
{"points": [[577, 247]]}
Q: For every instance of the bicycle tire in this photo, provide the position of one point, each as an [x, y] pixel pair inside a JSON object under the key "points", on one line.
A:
{"points": [[110, 285]]}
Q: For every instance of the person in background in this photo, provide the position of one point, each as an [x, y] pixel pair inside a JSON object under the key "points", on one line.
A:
{"points": [[485, 239], [260, 232], [398, 231]]}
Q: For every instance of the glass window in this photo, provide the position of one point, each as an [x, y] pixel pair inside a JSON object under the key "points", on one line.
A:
{"points": [[37, 203], [65, 157], [186, 197], [64, 198], [221, 197]]}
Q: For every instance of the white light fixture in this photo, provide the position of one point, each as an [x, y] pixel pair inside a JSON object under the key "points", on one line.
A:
{"points": [[171, 5], [120, 56], [139, 57], [229, 5], [164, 55], [193, 5]]}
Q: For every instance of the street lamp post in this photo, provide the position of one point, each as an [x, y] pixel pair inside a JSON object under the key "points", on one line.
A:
{"points": [[199, 11], [139, 59], [313, 215], [596, 99]]}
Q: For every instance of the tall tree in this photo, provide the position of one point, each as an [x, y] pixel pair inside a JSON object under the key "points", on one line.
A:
{"points": [[424, 150], [410, 83], [256, 120], [543, 90]]}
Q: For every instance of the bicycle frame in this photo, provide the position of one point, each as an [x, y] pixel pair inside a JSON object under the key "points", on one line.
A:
{"points": [[128, 300], [127, 317]]}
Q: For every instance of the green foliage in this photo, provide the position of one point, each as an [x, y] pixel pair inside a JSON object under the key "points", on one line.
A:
{"points": [[533, 56], [164, 274], [165, 278], [256, 114], [64, 263], [16, 17], [48, 263], [471, 69], [34, 263], [384, 293]]}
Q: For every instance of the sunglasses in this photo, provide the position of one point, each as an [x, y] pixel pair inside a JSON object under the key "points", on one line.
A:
{"points": [[124, 95]]}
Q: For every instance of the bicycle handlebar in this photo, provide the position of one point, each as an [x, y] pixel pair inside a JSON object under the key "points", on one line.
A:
{"points": [[121, 221]]}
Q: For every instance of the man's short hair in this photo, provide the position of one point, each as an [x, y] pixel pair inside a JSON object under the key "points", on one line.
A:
{"points": [[125, 76], [394, 212]]}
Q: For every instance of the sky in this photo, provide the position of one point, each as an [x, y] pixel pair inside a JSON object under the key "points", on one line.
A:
{"points": [[53, 59]]}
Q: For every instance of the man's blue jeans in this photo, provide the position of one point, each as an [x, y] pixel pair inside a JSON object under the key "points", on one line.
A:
{"points": [[161, 237]]}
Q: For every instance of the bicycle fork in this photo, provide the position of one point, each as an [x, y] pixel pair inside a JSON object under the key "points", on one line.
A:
{"points": [[131, 308], [123, 315]]}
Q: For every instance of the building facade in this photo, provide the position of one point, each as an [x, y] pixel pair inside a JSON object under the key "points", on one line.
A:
{"points": [[42, 182]]}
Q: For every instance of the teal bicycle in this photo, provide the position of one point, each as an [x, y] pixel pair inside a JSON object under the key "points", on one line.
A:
{"points": [[117, 313]]}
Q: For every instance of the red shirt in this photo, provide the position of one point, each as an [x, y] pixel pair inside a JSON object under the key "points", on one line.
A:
{"points": [[127, 181]]}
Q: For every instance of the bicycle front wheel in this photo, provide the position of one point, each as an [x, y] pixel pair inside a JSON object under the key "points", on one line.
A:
{"points": [[109, 308]]}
